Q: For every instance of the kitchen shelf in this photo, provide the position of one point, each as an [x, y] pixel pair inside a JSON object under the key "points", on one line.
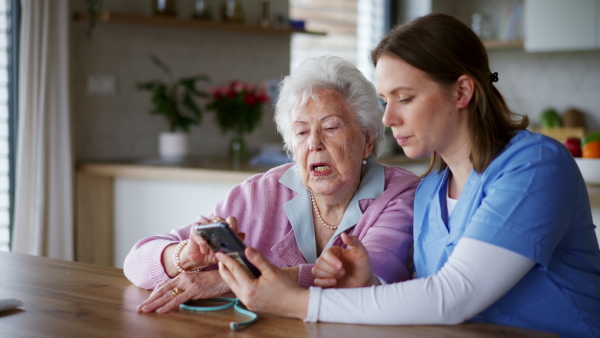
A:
{"points": [[139, 19], [500, 44]]}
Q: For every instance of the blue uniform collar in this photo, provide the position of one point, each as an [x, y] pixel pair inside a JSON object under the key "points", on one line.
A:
{"points": [[299, 208]]}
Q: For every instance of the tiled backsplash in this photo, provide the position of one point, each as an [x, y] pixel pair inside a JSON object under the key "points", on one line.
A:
{"points": [[120, 126], [532, 82]]}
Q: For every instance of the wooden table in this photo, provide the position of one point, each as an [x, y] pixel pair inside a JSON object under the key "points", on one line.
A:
{"points": [[71, 299]]}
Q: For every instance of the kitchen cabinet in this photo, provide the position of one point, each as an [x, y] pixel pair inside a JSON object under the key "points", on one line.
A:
{"points": [[119, 203], [562, 25], [463, 10], [548, 25]]}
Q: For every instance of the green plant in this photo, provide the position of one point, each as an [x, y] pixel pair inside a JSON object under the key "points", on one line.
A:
{"points": [[175, 99], [94, 8]]}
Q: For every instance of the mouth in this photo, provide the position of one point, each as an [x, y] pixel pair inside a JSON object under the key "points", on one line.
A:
{"points": [[320, 169], [401, 139]]}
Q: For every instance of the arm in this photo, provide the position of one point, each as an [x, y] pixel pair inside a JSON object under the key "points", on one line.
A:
{"points": [[466, 285], [151, 260], [387, 231]]}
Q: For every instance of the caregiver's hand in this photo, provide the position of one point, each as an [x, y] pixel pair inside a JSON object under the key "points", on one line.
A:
{"points": [[344, 268], [274, 291], [186, 286]]}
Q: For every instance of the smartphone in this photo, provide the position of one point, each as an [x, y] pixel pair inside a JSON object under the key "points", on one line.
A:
{"points": [[220, 238]]}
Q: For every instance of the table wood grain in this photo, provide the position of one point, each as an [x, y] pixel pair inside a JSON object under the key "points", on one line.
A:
{"points": [[71, 299]]}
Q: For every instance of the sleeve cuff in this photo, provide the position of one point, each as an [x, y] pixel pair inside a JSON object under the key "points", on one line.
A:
{"points": [[381, 280], [305, 277], [313, 305]]}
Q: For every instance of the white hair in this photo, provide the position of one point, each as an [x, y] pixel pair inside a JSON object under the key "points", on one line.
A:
{"points": [[330, 73]]}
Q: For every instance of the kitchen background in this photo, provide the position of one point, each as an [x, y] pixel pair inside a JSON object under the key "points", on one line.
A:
{"points": [[115, 125], [118, 125]]}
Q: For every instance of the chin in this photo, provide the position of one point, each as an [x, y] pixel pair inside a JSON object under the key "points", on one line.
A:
{"points": [[412, 154]]}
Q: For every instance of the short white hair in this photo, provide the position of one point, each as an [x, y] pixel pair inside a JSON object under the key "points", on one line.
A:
{"points": [[341, 76]]}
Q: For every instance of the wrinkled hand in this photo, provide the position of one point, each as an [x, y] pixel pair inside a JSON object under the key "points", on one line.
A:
{"points": [[275, 291], [344, 268], [197, 252], [202, 285]]}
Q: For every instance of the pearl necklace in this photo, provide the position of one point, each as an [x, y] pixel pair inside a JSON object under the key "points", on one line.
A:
{"points": [[312, 199]]}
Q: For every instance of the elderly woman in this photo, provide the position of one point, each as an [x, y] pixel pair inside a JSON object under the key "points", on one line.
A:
{"points": [[330, 120]]}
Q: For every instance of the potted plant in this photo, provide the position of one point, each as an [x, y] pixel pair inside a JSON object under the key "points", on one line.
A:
{"points": [[175, 100], [238, 109]]}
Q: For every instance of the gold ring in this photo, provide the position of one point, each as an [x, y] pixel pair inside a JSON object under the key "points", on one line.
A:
{"points": [[176, 291]]}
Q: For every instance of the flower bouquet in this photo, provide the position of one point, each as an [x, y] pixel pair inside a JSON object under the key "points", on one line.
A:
{"points": [[238, 108]]}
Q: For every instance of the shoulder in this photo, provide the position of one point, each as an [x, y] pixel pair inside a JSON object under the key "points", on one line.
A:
{"points": [[399, 177], [530, 150], [271, 176]]}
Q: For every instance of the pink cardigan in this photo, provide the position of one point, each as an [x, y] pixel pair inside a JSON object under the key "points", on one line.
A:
{"points": [[258, 203]]}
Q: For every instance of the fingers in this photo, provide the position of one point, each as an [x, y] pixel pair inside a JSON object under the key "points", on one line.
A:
{"points": [[350, 241], [163, 299], [325, 282], [329, 264], [258, 260], [226, 267]]}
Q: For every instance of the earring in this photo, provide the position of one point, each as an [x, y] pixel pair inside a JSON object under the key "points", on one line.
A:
{"points": [[365, 161]]}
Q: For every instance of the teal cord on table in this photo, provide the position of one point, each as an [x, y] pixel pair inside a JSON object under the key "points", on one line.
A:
{"points": [[193, 305]]}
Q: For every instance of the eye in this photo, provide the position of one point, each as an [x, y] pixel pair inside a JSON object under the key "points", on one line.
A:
{"points": [[406, 100]]}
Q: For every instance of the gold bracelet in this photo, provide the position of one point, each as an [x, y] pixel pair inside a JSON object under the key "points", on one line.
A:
{"points": [[176, 260]]}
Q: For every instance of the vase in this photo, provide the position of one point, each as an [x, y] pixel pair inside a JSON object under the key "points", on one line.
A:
{"points": [[238, 152], [232, 11], [173, 146], [164, 7]]}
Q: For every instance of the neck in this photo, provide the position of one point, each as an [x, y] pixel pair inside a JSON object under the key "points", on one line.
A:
{"points": [[456, 156]]}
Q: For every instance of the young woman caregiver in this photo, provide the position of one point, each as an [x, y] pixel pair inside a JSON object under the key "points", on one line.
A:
{"points": [[503, 229]]}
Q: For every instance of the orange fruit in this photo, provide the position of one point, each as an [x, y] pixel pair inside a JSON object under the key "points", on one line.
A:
{"points": [[591, 150]]}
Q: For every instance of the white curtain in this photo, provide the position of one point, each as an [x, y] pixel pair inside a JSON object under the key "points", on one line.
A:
{"points": [[43, 220]]}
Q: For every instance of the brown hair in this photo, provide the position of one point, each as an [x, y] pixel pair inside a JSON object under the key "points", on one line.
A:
{"points": [[445, 48]]}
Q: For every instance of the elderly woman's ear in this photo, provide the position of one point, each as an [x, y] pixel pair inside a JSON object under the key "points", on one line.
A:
{"points": [[368, 145]]}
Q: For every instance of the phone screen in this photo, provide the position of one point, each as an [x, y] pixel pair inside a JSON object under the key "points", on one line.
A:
{"points": [[220, 238]]}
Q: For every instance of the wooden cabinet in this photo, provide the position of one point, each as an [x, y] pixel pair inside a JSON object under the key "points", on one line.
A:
{"points": [[562, 25]]}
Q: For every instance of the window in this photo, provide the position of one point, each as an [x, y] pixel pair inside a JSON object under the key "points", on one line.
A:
{"points": [[8, 49], [353, 28]]}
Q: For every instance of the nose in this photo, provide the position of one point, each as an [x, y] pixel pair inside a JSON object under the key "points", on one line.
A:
{"points": [[390, 117], [314, 142]]}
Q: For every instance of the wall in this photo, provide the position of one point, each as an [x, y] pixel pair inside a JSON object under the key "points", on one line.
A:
{"points": [[119, 126], [532, 82]]}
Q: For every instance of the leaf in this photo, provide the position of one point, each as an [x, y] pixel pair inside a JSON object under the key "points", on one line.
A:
{"points": [[163, 66], [189, 103], [175, 101]]}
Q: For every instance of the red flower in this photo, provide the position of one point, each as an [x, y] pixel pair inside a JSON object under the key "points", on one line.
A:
{"points": [[237, 86], [262, 97], [250, 99]]}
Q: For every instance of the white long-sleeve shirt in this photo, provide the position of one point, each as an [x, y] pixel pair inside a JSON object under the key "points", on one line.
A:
{"points": [[476, 275]]}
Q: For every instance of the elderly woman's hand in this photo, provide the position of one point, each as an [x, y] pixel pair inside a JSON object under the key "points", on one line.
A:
{"points": [[196, 254], [344, 268], [275, 291], [168, 295]]}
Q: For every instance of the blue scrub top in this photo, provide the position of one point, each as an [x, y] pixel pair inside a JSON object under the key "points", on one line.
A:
{"points": [[531, 200]]}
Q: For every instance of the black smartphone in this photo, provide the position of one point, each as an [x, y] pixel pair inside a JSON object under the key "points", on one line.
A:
{"points": [[220, 238]]}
